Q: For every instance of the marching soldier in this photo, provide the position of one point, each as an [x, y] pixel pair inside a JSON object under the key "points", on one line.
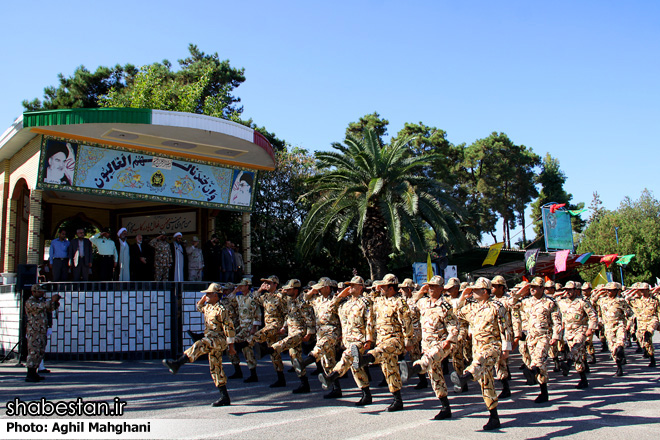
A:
{"points": [[393, 332], [439, 334], [406, 289], [299, 327], [579, 321], [357, 329], [647, 311], [586, 290], [249, 317], [615, 312], [37, 311], [230, 303], [461, 355], [502, 373], [541, 321], [218, 335], [550, 289], [491, 338], [327, 332]]}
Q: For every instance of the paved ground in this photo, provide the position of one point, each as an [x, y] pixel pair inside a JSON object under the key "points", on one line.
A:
{"points": [[627, 407]]}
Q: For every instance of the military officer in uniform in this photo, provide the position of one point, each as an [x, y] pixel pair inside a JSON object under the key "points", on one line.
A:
{"points": [[615, 313], [406, 289], [37, 310], [502, 373], [647, 311], [461, 355]]}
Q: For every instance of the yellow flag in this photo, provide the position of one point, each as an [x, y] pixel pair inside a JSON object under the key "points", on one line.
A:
{"points": [[493, 253], [429, 267], [601, 278]]}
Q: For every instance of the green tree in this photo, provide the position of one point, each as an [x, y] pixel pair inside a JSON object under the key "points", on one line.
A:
{"points": [[371, 121], [552, 180], [639, 234], [376, 192]]}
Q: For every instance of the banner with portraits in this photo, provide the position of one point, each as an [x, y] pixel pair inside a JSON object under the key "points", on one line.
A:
{"points": [[129, 173]]}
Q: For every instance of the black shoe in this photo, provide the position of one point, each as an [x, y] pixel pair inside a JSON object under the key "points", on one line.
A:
{"points": [[583, 383], [335, 393], [327, 381], [32, 375], [445, 412], [397, 403], [529, 375], [557, 367], [224, 397], [404, 371], [506, 391], [280, 382], [360, 361], [238, 373], [460, 381], [174, 365], [592, 359], [565, 368], [652, 363], [366, 397], [253, 376], [423, 383], [263, 350], [195, 336], [604, 348], [304, 386], [301, 365], [543, 397], [619, 371], [493, 421]]}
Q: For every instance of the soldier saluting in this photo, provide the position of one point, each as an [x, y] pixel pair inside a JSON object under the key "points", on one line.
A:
{"points": [[37, 309]]}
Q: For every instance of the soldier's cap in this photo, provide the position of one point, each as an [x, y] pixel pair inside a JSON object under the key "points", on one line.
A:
{"points": [[549, 285], [570, 285], [538, 282], [292, 284], [481, 283], [355, 280], [586, 286], [436, 280], [368, 283], [612, 286], [578, 285], [334, 283], [340, 285], [323, 282], [228, 286], [463, 285], [272, 279], [213, 288], [499, 281], [38, 288], [451, 282], [245, 282], [387, 280], [408, 283], [643, 286]]}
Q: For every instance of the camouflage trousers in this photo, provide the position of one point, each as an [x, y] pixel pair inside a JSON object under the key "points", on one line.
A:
{"points": [[214, 347], [524, 352], [538, 347], [484, 358], [346, 363], [431, 361], [461, 355], [36, 344], [243, 334], [292, 343], [326, 345], [416, 352], [589, 345], [161, 273], [646, 326], [616, 336], [386, 353], [556, 348], [502, 368], [576, 340], [269, 334]]}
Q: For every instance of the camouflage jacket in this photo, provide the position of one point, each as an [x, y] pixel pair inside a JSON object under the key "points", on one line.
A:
{"points": [[218, 322], [357, 320], [577, 313], [489, 323], [230, 303], [539, 317], [273, 308], [614, 311], [299, 316], [645, 309], [37, 311], [393, 318], [438, 321], [325, 310]]}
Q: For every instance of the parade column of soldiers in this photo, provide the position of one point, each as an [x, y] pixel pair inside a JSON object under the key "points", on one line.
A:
{"points": [[377, 327]]}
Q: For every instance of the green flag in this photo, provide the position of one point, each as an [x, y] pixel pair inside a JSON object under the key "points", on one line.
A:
{"points": [[576, 213], [622, 261]]}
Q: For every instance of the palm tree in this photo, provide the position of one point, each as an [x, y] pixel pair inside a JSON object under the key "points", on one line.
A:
{"points": [[379, 193]]}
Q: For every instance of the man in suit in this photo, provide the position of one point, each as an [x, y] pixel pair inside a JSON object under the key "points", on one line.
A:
{"points": [[80, 256], [227, 263], [142, 262], [212, 252]]}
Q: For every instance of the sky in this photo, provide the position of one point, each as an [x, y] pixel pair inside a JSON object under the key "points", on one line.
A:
{"points": [[577, 79]]}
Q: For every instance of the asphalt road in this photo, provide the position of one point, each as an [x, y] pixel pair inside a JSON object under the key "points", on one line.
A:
{"points": [[626, 407]]}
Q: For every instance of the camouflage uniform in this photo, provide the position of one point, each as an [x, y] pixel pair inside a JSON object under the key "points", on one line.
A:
{"points": [[394, 331], [578, 316], [299, 322], [438, 324], [615, 312], [647, 312], [461, 354], [273, 305], [218, 333], [327, 330], [541, 320], [162, 259], [502, 365], [37, 311], [491, 333], [249, 315], [415, 314]]}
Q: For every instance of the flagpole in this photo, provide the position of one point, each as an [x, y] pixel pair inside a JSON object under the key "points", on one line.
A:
{"points": [[616, 234]]}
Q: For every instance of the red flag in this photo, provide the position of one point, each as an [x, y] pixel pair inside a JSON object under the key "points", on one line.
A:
{"points": [[555, 207], [608, 259], [547, 278], [525, 279]]}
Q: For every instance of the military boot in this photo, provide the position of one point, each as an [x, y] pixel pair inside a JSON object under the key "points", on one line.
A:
{"points": [[445, 410], [619, 357], [174, 365], [543, 397], [397, 403], [336, 391], [366, 397], [592, 359], [253, 376], [423, 383], [359, 360], [557, 367], [195, 336], [506, 391], [301, 365], [280, 382], [493, 421], [652, 363], [238, 373], [327, 380], [224, 397], [583, 383], [263, 350], [303, 387], [32, 375], [460, 382]]}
